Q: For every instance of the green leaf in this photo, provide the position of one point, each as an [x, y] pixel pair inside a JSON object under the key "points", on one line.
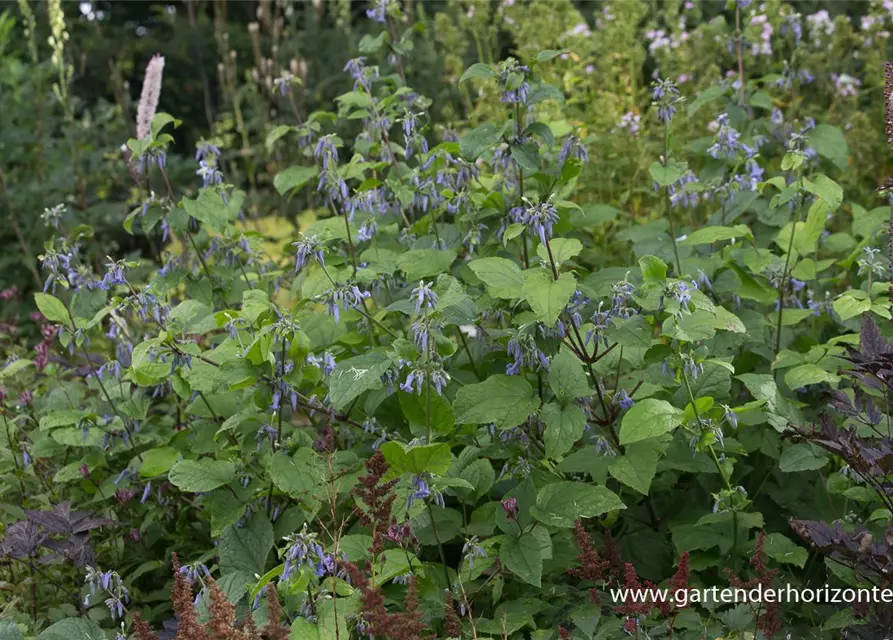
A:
{"points": [[544, 91], [808, 374], [208, 208], [160, 121], [355, 375], [825, 188], [506, 401], [636, 467], [14, 367], [224, 508], [424, 263], [782, 549], [158, 461], [707, 235], [52, 309], [246, 548], [563, 249], [478, 70], [504, 278], [566, 376], [593, 215], [665, 175], [430, 458], [709, 94], [523, 557], [476, 141], [192, 316], [294, 178], [447, 522], [275, 134], [527, 156], [691, 327], [198, 476], [830, 143], [299, 475], [728, 321], [561, 504], [9, 630], [564, 427], [762, 100], [417, 409], [73, 629], [849, 306], [548, 297], [549, 54], [480, 475], [806, 234], [802, 457], [653, 269], [630, 332], [62, 418], [649, 418]]}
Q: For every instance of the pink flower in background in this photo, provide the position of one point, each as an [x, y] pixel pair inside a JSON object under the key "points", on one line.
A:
{"points": [[149, 97]]}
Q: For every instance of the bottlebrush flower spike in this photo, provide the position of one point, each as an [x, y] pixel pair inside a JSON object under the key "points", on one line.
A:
{"points": [[149, 97]]}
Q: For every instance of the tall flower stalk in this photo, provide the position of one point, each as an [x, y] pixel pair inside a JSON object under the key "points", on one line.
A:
{"points": [[151, 92]]}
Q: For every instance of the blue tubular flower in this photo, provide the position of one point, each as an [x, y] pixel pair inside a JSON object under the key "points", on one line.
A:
{"points": [[522, 347], [308, 248], [423, 296], [209, 173], [665, 97], [753, 178], [678, 193], [514, 79], [421, 491], [110, 369], [114, 275], [378, 13], [110, 583], [575, 307], [326, 151], [623, 400], [344, 297], [682, 292], [367, 230], [730, 416], [420, 330], [362, 75], [604, 448], [414, 382], [690, 367], [573, 148], [471, 550], [205, 149], [727, 140], [474, 237], [440, 379], [539, 219]]}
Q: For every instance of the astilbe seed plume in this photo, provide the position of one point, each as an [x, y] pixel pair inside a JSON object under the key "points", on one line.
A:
{"points": [[222, 623], [452, 627], [189, 628], [593, 568], [378, 497], [404, 625], [768, 620], [888, 112]]}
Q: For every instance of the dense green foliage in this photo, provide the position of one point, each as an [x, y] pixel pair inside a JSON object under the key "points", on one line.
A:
{"points": [[440, 342]]}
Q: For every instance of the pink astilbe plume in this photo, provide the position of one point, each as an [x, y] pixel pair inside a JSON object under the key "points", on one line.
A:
{"points": [[149, 97]]}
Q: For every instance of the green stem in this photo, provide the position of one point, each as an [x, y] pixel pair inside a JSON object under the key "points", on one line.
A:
{"points": [[446, 573], [667, 206]]}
